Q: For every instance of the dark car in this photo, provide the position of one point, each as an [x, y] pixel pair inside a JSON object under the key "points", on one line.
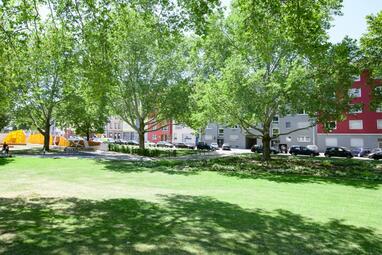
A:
{"points": [[226, 147], [185, 146], [204, 146], [376, 156], [165, 144], [338, 152], [259, 149], [360, 152], [302, 150]]}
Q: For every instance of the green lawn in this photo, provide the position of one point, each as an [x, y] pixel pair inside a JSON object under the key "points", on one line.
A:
{"points": [[79, 206]]}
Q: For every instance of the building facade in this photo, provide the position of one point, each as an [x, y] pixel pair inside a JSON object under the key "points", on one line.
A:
{"points": [[116, 128], [363, 125], [160, 132], [238, 138], [183, 134]]}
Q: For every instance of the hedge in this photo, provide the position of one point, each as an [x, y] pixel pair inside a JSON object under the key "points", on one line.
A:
{"points": [[148, 152]]}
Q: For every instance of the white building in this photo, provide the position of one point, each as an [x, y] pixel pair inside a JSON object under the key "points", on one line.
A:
{"points": [[183, 134]]}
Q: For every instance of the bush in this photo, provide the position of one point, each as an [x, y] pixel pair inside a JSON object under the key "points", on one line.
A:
{"points": [[147, 152]]}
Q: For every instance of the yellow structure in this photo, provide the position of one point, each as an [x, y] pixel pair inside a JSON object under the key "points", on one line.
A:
{"points": [[38, 139], [63, 142], [16, 137]]}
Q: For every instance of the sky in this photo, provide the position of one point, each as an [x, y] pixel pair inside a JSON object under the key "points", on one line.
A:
{"points": [[352, 22]]}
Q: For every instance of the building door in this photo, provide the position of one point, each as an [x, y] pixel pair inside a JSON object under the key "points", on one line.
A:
{"points": [[220, 142]]}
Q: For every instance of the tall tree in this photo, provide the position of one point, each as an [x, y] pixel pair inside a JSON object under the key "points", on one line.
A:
{"points": [[149, 70], [271, 58], [371, 46], [43, 64]]}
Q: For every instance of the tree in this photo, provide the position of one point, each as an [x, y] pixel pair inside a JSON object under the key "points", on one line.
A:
{"points": [[371, 46], [149, 69], [41, 64], [84, 110], [271, 58]]}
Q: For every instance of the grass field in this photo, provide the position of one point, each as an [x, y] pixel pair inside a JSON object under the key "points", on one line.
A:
{"points": [[79, 206]]}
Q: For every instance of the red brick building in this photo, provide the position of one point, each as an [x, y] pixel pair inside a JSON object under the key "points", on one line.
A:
{"points": [[161, 132], [363, 125]]}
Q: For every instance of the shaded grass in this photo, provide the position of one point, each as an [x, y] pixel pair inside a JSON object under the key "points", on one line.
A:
{"points": [[181, 225]]}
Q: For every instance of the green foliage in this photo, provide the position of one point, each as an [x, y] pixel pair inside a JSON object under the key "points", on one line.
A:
{"points": [[147, 152], [371, 46], [271, 58]]}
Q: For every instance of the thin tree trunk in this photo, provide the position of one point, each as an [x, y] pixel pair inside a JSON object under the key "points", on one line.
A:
{"points": [[88, 136]]}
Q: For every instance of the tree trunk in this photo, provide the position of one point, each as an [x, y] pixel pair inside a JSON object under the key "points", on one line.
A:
{"points": [[47, 136], [266, 144], [141, 134], [141, 140], [88, 136]]}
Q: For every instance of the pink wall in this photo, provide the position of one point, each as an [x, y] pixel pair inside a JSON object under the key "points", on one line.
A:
{"points": [[368, 117]]}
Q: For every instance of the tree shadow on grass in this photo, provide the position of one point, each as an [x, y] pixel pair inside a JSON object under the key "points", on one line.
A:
{"points": [[180, 225], [165, 166], [5, 161]]}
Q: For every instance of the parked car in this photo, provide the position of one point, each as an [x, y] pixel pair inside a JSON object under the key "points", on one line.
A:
{"points": [[132, 142], [226, 147], [120, 141], [215, 146], [185, 145], [376, 156], [360, 152], [338, 152], [165, 144], [375, 150], [190, 146], [204, 146], [302, 150], [150, 144], [259, 149]]}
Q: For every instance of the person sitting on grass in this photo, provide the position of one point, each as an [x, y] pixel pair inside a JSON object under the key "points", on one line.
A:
{"points": [[5, 148]]}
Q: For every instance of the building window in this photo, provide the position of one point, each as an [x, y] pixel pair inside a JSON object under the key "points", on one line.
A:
{"points": [[221, 131], [288, 124], [165, 128], [303, 139], [275, 120], [355, 108], [111, 125], [119, 125], [154, 137], [355, 92], [275, 131], [115, 126], [235, 127], [355, 124], [379, 108], [379, 124], [331, 141], [356, 142], [357, 78]]}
